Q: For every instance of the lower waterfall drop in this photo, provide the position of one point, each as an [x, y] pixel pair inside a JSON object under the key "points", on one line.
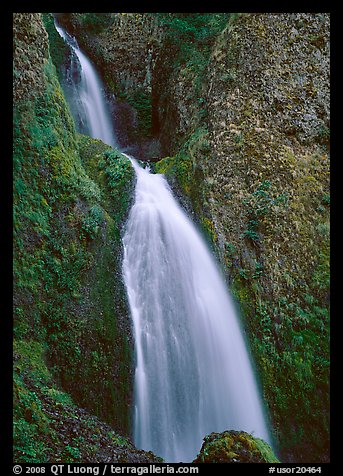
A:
{"points": [[193, 374]]}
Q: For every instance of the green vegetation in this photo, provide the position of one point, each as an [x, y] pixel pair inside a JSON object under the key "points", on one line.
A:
{"points": [[289, 335], [294, 342], [141, 101], [49, 427], [71, 197], [91, 23], [259, 204], [271, 234], [289, 328], [184, 57], [33, 433], [185, 172]]}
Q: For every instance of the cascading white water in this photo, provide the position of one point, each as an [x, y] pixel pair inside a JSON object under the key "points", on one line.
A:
{"points": [[193, 374], [87, 96]]}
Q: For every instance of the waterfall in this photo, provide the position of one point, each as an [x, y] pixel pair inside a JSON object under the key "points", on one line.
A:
{"points": [[87, 101], [193, 373]]}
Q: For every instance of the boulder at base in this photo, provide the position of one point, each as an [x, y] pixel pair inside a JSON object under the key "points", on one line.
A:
{"points": [[235, 447]]}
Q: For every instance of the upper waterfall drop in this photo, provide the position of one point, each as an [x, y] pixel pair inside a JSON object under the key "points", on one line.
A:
{"points": [[193, 372], [89, 102]]}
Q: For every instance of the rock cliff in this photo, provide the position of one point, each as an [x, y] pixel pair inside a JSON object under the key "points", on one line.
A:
{"points": [[256, 168]]}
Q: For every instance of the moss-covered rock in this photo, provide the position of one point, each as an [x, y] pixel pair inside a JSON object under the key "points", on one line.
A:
{"points": [[269, 173], [263, 196], [245, 121], [235, 447], [106, 341], [59, 50]]}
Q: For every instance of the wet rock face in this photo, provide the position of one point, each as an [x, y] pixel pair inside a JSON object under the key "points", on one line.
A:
{"points": [[30, 54], [234, 447]]}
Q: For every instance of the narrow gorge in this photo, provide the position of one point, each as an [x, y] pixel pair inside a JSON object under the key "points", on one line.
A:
{"points": [[171, 237]]}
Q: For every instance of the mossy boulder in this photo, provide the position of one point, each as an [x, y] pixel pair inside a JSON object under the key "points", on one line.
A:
{"points": [[235, 447]]}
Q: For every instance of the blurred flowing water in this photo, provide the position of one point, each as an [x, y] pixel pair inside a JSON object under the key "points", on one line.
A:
{"points": [[193, 373]]}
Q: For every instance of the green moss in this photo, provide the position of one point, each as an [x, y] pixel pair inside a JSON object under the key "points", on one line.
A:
{"points": [[189, 176], [266, 451], [189, 179], [105, 352], [292, 375], [95, 22], [112, 172], [209, 229], [288, 329], [71, 196]]}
